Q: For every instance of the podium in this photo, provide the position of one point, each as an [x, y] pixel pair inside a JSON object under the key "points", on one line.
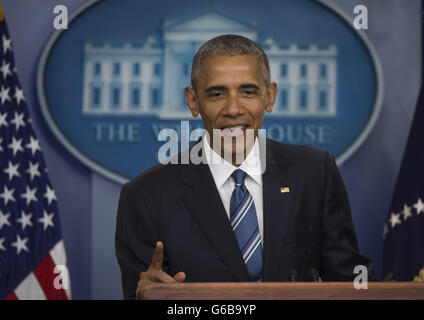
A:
{"points": [[284, 291]]}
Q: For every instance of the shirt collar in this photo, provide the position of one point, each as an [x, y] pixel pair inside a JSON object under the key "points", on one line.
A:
{"points": [[221, 169]]}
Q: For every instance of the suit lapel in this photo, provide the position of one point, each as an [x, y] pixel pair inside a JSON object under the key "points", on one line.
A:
{"points": [[277, 211], [205, 205]]}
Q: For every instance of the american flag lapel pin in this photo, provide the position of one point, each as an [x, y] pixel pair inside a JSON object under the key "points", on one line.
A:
{"points": [[284, 189]]}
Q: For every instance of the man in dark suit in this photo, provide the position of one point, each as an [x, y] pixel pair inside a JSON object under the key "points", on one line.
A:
{"points": [[283, 213]]}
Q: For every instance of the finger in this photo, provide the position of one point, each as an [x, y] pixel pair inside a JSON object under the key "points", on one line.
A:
{"points": [[180, 276], [156, 276], [157, 256], [164, 278]]}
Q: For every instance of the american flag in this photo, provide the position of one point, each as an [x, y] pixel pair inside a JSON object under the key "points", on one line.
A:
{"points": [[32, 253], [403, 254]]}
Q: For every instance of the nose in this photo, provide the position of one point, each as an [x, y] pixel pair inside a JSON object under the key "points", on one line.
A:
{"points": [[234, 106]]}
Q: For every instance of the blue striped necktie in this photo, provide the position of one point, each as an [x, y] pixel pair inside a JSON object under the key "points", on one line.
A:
{"points": [[245, 226]]}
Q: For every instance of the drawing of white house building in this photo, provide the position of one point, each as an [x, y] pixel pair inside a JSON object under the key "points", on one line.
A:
{"points": [[149, 78]]}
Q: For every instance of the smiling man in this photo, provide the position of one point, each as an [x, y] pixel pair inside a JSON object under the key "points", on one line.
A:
{"points": [[231, 93], [253, 210]]}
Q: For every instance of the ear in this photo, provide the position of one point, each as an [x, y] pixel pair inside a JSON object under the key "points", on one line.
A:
{"points": [[271, 93], [192, 102]]}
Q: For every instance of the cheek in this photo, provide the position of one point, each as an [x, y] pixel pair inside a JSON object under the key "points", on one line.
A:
{"points": [[209, 117], [258, 116]]}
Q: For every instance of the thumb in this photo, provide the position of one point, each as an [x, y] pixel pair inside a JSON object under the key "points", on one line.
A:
{"points": [[180, 276]]}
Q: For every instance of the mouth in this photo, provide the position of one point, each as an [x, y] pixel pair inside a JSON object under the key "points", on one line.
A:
{"points": [[233, 131]]}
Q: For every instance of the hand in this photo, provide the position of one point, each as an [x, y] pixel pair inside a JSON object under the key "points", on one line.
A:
{"points": [[420, 276], [155, 274]]}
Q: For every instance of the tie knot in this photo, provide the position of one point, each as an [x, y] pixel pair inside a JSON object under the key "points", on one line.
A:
{"points": [[238, 176]]}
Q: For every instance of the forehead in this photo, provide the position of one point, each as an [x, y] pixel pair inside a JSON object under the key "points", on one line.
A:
{"points": [[232, 69]]}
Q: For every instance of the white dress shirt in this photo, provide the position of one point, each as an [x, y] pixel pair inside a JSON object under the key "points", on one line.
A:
{"points": [[221, 171]]}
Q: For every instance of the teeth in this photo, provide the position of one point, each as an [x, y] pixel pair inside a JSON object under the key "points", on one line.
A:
{"points": [[235, 128], [233, 131]]}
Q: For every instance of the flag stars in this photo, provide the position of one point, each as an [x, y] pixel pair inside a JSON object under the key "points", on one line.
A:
{"points": [[20, 244], [394, 219], [24, 207], [47, 220], [7, 44], [5, 69], [33, 170], [25, 220], [16, 146], [18, 120], [19, 95], [7, 195], [29, 195], [406, 212], [419, 206], [386, 230], [3, 121], [12, 170], [34, 145], [4, 219], [4, 94], [1, 244], [50, 195]]}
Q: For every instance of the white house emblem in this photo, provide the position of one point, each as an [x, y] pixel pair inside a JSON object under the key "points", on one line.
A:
{"points": [[125, 80]]}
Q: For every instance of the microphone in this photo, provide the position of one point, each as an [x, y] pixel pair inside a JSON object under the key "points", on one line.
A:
{"points": [[313, 273], [292, 275]]}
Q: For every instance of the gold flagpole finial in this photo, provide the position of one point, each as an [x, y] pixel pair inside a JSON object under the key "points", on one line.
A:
{"points": [[1, 13], [420, 276]]}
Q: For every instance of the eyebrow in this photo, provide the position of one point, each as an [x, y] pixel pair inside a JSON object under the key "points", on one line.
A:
{"points": [[216, 88], [249, 86], [224, 88]]}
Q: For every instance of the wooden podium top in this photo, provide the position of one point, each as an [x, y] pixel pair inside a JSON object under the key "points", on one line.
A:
{"points": [[284, 291]]}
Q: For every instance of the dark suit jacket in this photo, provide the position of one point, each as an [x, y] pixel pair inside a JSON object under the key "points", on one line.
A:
{"points": [[308, 227]]}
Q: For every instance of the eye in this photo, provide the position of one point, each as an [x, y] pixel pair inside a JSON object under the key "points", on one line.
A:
{"points": [[249, 93], [216, 94]]}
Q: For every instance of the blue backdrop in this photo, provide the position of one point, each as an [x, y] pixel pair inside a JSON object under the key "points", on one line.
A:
{"points": [[88, 202]]}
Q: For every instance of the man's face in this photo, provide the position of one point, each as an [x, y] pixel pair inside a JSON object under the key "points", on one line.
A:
{"points": [[231, 97]]}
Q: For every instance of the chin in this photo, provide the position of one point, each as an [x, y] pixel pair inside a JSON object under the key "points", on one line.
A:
{"points": [[234, 152]]}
